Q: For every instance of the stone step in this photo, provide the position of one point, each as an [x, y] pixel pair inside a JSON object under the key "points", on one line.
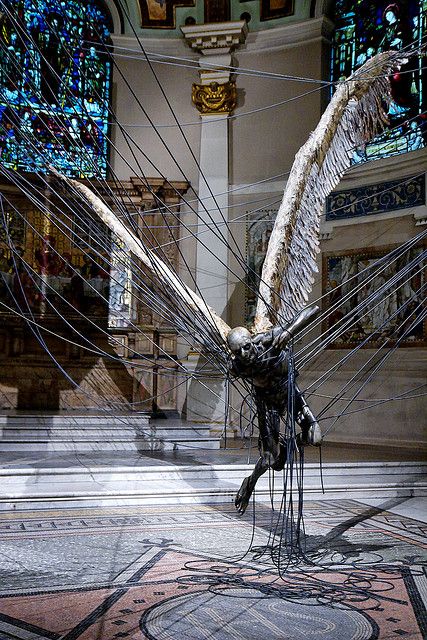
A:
{"points": [[71, 419], [91, 485], [142, 471], [111, 444], [94, 432], [30, 434]]}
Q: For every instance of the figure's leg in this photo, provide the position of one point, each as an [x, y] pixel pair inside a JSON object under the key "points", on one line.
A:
{"points": [[248, 485], [272, 452], [310, 429], [269, 433]]}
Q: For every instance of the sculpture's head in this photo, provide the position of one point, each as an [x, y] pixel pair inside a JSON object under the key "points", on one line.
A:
{"points": [[240, 343]]}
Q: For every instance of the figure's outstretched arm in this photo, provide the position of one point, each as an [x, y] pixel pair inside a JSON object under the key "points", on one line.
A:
{"points": [[299, 322]]}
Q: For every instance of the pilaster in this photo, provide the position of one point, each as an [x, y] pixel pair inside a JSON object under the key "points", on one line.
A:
{"points": [[215, 97]]}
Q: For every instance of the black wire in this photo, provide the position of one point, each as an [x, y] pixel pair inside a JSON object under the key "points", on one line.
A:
{"points": [[40, 205], [164, 177], [380, 264], [326, 375]]}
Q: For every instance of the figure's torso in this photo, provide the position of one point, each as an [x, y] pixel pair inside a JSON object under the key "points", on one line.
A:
{"points": [[269, 374]]}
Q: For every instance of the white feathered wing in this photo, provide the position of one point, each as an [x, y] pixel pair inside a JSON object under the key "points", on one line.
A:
{"points": [[354, 116]]}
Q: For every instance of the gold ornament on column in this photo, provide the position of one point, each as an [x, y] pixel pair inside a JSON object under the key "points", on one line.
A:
{"points": [[214, 97]]}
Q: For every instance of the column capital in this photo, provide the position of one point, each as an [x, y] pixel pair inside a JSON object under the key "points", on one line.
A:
{"points": [[216, 93], [215, 37], [214, 98]]}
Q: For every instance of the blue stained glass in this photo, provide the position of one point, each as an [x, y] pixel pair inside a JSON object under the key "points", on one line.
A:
{"points": [[363, 29], [55, 80]]}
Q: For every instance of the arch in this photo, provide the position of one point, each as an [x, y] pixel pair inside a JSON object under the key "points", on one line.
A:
{"points": [[319, 8], [116, 15]]}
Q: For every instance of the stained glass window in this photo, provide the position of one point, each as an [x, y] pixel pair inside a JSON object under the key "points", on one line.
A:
{"points": [[55, 81], [363, 28]]}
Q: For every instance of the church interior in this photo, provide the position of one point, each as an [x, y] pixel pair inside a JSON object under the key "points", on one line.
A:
{"points": [[125, 432]]}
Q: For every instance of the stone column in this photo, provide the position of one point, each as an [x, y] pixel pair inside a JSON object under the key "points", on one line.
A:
{"points": [[215, 98]]}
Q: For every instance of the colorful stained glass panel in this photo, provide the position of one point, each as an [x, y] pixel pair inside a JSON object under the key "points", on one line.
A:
{"points": [[363, 29], [55, 78]]}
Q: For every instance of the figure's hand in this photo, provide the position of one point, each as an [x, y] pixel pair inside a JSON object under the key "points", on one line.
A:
{"points": [[281, 339], [298, 323], [311, 436], [266, 337]]}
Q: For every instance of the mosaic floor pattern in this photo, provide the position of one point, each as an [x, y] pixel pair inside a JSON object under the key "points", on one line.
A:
{"points": [[202, 572]]}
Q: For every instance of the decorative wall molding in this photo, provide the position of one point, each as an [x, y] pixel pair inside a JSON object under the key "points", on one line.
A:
{"points": [[420, 218], [148, 193], [407, 164], [155, 46], [208, 38], [369, 200], [116, 16], [289, 35], [282, 37]]}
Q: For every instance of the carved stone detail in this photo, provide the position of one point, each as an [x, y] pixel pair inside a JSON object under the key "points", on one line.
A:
{"points": [[214, 36], [214, 97]]}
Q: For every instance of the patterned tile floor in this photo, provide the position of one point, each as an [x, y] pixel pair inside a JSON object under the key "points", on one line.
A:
{"points": [[204, 573]]}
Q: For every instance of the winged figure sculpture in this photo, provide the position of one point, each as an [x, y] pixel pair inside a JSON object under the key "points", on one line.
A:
{"points": [[260, 355]]}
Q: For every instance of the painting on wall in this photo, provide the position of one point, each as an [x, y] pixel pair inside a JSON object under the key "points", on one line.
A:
{"points": [[271, 9], [160, 14], [344, 288], [217, 10], [392, 316]]}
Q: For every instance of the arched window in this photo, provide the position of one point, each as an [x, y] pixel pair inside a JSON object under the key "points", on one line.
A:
{"points": [[55, 80], [363, 28]]}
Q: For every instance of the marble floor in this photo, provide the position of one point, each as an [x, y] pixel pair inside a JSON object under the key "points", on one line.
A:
{"points": [[236, 452], [205, 573], [172, 571]]}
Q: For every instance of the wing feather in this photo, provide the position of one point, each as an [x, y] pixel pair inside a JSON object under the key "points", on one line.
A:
{"points": [[355, 114], [202, 314]]}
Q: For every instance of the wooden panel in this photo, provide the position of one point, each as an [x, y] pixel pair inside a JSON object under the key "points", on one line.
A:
{"points": [[167, 380], [144, 343], [167, 343], [143, 389]]}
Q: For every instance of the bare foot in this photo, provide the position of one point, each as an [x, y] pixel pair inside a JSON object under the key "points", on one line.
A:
{"points": [[243, 497]]}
